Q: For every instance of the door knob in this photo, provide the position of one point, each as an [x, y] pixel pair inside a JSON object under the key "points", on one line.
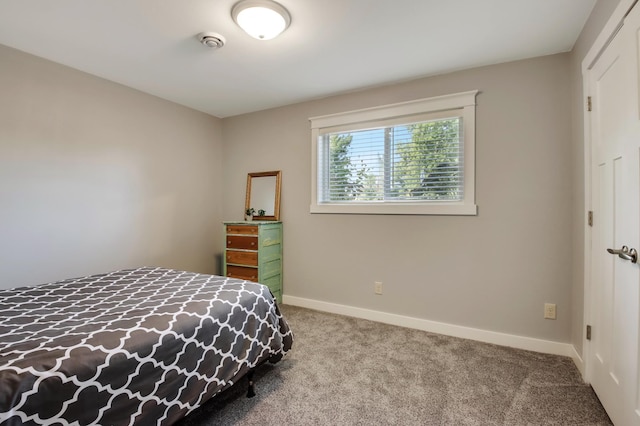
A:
{"points": [[625, 253]]}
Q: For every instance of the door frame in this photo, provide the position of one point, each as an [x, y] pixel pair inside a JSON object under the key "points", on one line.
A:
{"points": [[610, 29]]}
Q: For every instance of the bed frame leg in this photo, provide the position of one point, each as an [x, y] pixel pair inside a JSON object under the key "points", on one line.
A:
{"points": [[250, 392]]}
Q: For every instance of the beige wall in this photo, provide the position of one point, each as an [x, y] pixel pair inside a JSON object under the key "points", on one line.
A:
{"points": [[601, 13], [493, 271], [95, 176]]}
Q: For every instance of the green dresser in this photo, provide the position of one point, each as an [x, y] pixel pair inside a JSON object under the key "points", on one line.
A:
{"points": [[253, 251]]}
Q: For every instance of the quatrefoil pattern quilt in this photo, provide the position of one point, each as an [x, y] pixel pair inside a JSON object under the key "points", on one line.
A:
{"points": [[144, 346]]}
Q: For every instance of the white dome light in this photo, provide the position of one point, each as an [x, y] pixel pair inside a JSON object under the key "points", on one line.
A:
{"points": [[261, 19]]}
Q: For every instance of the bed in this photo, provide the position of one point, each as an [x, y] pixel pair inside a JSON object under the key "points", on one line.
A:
{"points": [[136, 346]]}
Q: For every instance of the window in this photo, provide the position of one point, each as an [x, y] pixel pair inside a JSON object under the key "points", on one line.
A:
{"points": [[410, 158]]}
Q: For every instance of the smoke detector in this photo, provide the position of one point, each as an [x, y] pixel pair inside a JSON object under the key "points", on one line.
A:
{"points": [[213, 40]]}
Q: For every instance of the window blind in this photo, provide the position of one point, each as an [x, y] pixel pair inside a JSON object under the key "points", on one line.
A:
{"points": [[419, 161]]}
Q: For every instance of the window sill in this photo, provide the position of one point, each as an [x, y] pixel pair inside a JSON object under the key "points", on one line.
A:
{"points": [[443, 209]]}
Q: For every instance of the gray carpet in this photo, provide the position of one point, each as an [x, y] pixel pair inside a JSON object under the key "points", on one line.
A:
{"points": [[347, 371]]}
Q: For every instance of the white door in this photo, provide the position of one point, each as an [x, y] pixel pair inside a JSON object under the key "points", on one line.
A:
{"points": [[615, 134]]}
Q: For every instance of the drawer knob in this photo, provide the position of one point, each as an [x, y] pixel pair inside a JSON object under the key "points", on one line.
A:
{"points": [[252, 243]]}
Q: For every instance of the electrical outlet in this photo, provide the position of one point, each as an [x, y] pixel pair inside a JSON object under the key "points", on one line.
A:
{"points": [[377, 287], [550, 311]]}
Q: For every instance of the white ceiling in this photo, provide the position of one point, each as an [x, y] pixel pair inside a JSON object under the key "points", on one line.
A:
{"points": [[331, 47]]}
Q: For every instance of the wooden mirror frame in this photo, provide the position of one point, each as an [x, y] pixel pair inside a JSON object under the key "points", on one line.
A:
{"points": [[276, 204]]}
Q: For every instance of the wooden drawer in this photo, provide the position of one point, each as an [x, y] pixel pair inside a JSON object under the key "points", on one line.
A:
{"points": [[242, 229], [242, 242], [242, 272], [249, 258]]}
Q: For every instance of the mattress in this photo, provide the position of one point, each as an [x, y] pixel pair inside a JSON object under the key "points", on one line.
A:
{"points": [[144, 346]]}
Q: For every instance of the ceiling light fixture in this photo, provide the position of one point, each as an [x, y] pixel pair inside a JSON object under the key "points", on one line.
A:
{"points": [[261, 19]]}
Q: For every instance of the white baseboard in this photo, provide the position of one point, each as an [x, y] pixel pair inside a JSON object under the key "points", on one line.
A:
{"points": [[511, 340], [578, 361]]}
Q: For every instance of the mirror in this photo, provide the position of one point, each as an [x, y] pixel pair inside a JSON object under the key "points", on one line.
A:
{"points": [[263, 193]]}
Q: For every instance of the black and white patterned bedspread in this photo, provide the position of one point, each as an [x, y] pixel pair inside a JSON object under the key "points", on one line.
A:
{"points": [[144, 346]]}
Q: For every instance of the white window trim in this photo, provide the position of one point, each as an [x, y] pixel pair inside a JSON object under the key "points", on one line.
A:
{"points": [[464, 102]]}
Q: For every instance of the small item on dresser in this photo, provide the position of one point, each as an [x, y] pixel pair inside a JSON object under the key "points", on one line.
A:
{"points": [[263, 195]]}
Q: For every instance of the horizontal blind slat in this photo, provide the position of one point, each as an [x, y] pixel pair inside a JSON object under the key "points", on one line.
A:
{"points": [[421, 161]]}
